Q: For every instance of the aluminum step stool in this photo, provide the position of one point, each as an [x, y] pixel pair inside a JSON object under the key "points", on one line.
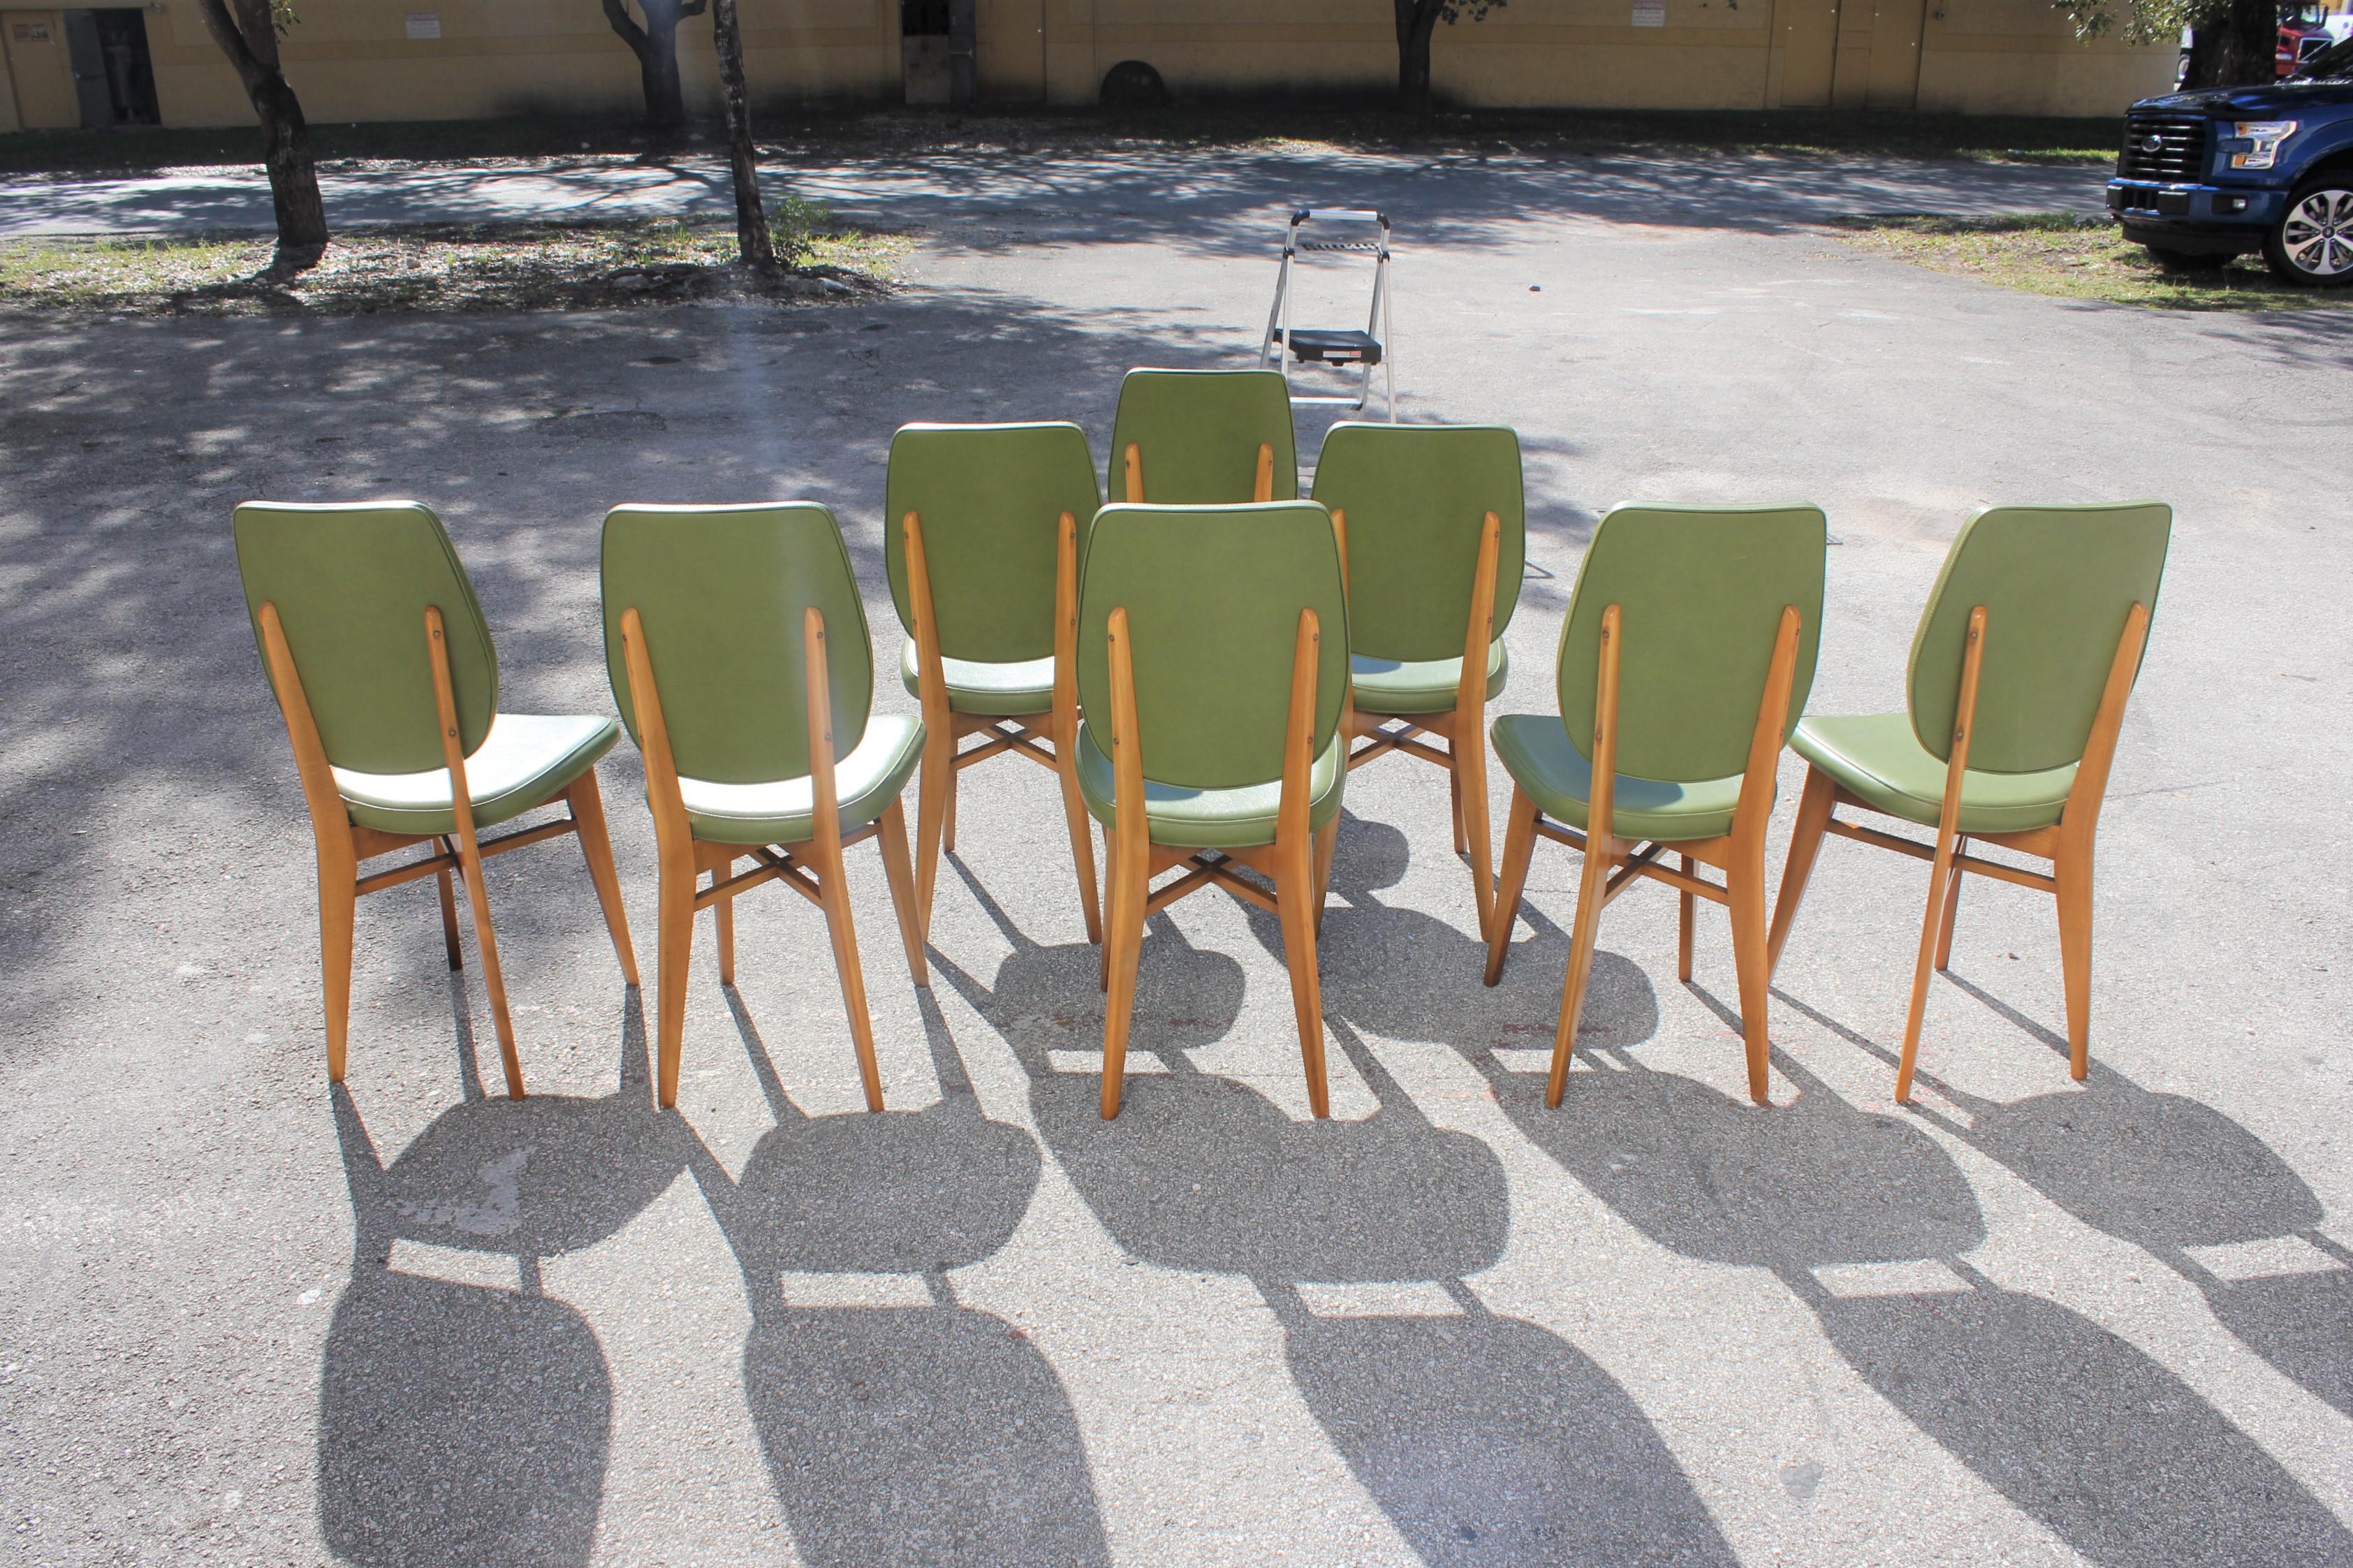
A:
{"points": [[1358, 232]]}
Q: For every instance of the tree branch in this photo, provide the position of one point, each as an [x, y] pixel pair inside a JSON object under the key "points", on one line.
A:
{"points": [[232, 42], [260, 30], [625, 25]]}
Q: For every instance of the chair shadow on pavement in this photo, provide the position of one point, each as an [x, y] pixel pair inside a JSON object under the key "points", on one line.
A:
{"points": [[2057, 1414], [1489, 1440], [2175, 1177], [465, 1423], [1402, 974], [1201, 1172], [918, 1430], [1484, 1438]]}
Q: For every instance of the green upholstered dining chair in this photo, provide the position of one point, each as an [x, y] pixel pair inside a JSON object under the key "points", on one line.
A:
{"points": [[1213, 663], [1433, 530], [1686, 660], [981, 540], [1204, 438], [383, 669], [738, 653], [2020, 668]]}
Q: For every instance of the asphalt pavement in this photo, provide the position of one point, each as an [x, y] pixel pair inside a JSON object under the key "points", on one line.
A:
{"points": [[245, 1320], [958, 185]]}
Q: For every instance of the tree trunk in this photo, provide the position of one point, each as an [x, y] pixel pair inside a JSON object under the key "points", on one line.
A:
{"points": [[656, 46], [752, 240], [2235, 47], [1415, 21], [657, 71], [250, 42]]}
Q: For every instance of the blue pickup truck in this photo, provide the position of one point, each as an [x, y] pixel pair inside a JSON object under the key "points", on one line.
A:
{"points": [[2204, 176]]}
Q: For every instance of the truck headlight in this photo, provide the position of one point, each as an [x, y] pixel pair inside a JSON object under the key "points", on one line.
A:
{"points": [[2255, 143]]}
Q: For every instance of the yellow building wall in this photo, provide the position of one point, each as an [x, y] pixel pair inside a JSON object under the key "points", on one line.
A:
{"points": [[40, 74], [352, 59], [1969, 56], [1703, 54], [2020, 56], [1013, 60], [9, 118]]}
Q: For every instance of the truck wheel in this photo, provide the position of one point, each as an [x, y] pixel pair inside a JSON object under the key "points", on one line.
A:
{"points": [[2311, 244], [2188, 260]]}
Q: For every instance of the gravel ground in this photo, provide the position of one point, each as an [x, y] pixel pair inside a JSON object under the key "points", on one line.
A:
{"points": [[243, 1320]]}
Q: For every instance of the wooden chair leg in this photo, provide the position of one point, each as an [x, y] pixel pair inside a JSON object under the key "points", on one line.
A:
{"points": [[1952, 910], [1082, 850], [1942, 869], [469, 868], [948, 836], [722, 911], [843, 930], [449, 917], [1744, 890], [901, 874], [1122, 952], [1940, 873], [674, 950], [1470, 770], [1587, 933], [338, 901], [1686, 916], [1295, 898], [1454, 800], [1519, 847], [1328, 843], [1110, 904], [587, 806], [2071, 869], [1805, 842], [938, 777], [470, 851]]}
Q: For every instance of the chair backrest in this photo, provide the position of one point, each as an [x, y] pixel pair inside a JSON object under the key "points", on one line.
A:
{"points": [[1213, 596], [1416, 497], [2057, 583], [990, 500], [351, 583], [1200, 432], [1700, 591], [721, 591]]}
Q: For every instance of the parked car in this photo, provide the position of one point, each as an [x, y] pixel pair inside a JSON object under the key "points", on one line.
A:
{"points": [[2298, 42], [2204, 176]]}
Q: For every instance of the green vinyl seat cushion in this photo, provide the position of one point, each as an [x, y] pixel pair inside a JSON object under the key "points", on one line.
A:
{"points": [[1420, 686], [1876, 758], [1536, 752], [1015, 688], [1234, 818], [526, 760], [783, 811]]}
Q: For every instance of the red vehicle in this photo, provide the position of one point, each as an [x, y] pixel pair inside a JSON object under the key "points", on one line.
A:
{"points": [[2300, 39]]}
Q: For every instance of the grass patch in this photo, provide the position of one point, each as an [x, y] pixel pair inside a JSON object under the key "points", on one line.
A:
{"points": [[435, 269], [2076, 259], [797, 132]]}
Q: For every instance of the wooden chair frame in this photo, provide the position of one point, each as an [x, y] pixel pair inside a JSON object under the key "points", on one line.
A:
{"points": [[343, 843], [1261, 486], [944, 729], [1297, 863], [1464, 727], [2068, 845], [813, 869], [1613, 864]]}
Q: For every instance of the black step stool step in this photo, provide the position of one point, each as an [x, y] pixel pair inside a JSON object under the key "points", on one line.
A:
{"points": [[1333, 348]]}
